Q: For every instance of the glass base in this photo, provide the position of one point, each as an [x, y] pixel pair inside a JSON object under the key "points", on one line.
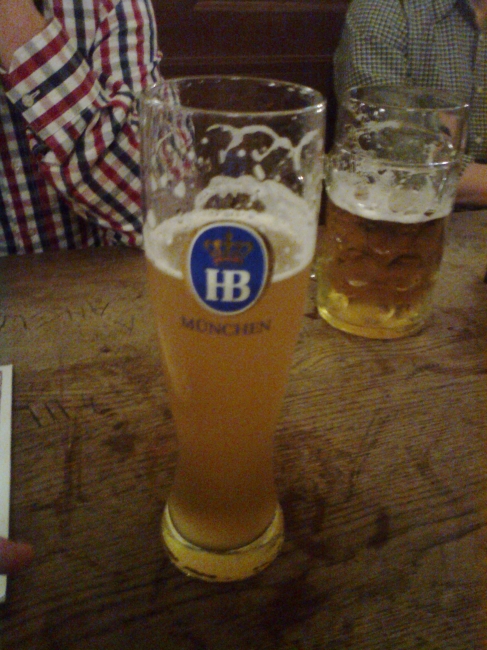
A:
{"points": [[372, 331], [223, 566]]}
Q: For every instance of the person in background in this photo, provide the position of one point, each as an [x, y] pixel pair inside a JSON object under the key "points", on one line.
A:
{"points": [[70, 73], [437, 43]]}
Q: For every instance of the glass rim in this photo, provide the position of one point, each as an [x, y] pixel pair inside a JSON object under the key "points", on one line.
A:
{"points": [[318, 103], [452, 100]]}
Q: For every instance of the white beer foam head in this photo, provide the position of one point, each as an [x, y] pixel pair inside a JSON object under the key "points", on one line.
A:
{"points": [[281, 215], [381, 197], [291, 258]]}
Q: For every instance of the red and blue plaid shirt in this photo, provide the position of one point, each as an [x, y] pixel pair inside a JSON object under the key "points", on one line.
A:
{"points": [[69, 153]]}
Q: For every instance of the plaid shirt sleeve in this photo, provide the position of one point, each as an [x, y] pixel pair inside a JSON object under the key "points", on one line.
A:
{"points": [[373, 45], [80, 110]]}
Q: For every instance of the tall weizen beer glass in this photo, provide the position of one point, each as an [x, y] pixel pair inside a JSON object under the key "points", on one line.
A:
{"points": [[233, 171], [391, 181]]}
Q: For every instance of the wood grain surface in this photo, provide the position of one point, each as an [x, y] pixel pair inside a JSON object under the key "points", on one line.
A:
{"points": [[380, 462]]}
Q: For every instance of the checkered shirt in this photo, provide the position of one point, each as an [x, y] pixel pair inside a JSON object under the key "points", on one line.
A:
{"points": [[433, 43], [69, 154]]}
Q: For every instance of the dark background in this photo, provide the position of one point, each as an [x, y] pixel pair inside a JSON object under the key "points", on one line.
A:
{"points": [[292, 40]]}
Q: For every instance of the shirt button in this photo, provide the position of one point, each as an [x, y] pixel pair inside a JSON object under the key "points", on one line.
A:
{"points": [[478, 140], [28, 101]]}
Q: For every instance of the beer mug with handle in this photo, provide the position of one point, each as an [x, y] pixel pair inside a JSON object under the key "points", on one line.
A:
{"points": [[232, 175], [391, 180]]}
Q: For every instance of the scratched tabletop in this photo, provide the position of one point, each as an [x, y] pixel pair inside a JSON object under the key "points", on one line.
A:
{"points": [[380, 463]]}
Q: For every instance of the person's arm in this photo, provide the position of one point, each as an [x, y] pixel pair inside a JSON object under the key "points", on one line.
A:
{"points": [[80, 111], [14, 556], [472, 189]]}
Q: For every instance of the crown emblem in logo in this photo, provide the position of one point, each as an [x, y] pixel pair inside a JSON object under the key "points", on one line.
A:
{"points": [[227, 250]]}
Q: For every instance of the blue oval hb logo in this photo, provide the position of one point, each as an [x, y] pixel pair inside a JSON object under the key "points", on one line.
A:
{"points": [[228, 265]]}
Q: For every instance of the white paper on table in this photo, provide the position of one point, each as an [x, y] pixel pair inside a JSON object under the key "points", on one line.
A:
{"points": [[5, 455]]}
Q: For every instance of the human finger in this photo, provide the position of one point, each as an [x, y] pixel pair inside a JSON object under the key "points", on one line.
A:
{"points": [[14, 556]]}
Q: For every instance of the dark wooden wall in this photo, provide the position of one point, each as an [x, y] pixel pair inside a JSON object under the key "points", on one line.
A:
{"points": [[292, 39]]}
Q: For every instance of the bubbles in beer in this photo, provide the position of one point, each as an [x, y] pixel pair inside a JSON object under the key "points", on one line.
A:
{"points": [[375, 276]]}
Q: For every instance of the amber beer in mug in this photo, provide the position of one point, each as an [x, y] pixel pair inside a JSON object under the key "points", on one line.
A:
{"points": [[391, 182], [232, 172]]}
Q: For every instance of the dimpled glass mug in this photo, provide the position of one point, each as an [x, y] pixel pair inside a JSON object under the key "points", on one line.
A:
{"points": [[391, 180], [232, 175]]}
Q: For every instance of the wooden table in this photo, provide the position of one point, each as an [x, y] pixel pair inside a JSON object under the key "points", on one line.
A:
{"points": [[380, 461]]}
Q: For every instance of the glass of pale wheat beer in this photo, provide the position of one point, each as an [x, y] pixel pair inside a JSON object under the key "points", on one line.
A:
{"points": [[391, 180], [232, 175]]}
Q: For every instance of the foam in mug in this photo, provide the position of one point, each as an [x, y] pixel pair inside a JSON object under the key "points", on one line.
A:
{"points": [[413, 198]]}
